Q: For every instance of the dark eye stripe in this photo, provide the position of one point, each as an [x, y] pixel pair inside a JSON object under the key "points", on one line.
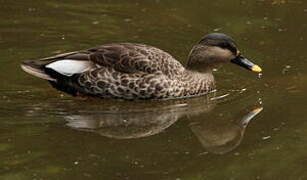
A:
{"points": [[222, 43], [227, 46]]}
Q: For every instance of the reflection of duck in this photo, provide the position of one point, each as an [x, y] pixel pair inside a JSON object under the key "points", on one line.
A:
{"points": [[125, 122], [123, 126], [216, 135], [136, 71]]}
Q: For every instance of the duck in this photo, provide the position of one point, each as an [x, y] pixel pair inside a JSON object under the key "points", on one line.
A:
{"points": [[134, 71]]}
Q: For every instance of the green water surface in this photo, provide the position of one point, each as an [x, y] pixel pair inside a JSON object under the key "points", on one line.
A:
{"points": [[253, 127]]}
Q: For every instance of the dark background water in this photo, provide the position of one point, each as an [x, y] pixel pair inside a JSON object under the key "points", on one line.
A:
{"points": [[45, 134]]}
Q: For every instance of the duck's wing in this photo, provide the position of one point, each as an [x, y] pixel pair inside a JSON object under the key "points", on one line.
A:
{"points": [[133, 58]]}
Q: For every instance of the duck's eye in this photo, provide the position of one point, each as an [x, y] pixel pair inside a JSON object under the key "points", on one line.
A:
{"points": [[238, 53], [223, 45]]}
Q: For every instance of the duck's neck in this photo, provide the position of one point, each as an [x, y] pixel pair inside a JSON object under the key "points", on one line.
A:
{"points": [[197, 59], [198, 76], [196, 66], [199, 69], [198, 82]]}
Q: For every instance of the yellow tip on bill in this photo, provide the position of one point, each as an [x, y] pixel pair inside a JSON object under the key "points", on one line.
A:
{"points": [[256, 68], [257, 110]]}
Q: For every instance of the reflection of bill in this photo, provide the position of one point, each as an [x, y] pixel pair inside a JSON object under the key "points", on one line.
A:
{"points": [[215, 136], [246, 119]]}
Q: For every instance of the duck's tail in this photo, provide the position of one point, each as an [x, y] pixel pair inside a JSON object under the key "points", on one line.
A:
{"points": [[36, 68], [61, 70], [53, 68]]}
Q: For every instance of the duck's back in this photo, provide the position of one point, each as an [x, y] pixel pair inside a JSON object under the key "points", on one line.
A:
{"points": [[134, 58]]}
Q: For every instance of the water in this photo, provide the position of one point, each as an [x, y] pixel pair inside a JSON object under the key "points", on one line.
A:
{"points": [[252, 127]]}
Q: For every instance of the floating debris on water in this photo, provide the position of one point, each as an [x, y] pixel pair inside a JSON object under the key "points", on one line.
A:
{"points": [[259, 75], [285, 69], [219, 97], [31, 9], [181, 105], [203, 153], [95, 22], [136, 162], [237, 154], [260, 101], [266, 137], [238, 90], [242, 90]]}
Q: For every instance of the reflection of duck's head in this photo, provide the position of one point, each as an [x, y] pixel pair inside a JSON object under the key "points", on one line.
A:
{"points": [[218, 140], [217, 48], [220, 137]]}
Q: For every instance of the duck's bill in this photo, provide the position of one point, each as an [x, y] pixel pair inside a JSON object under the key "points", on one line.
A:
{"points": [[243, 62]]}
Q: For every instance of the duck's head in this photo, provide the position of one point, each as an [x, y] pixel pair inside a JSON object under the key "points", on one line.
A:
{"points": [[214, 49]]}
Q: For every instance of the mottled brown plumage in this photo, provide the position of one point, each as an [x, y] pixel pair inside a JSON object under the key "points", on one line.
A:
{"points": [[135, 71]]}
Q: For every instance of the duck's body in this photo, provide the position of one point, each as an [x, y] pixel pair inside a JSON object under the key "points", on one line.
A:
{"points": [[127, 71]]}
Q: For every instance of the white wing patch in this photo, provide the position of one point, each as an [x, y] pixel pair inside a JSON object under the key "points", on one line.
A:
{"points": [[68, 67]]}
